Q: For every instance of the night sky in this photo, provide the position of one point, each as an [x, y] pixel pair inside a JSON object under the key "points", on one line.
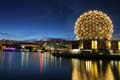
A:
{"points": [[39, 19]]}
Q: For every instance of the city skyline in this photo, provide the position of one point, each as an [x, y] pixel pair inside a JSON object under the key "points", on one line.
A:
{"points": [[38, 19]]}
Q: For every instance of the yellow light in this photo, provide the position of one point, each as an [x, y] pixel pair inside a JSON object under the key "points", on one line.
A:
{"points": [[75, 72], [118, 45], [81, 45], [109, 75], [94, 44], [108, 44]]}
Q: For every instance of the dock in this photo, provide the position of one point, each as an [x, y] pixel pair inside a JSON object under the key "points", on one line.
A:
{"points": [[89, 56]]}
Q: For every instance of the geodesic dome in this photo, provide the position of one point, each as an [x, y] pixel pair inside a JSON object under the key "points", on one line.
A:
{"points": [[93, 25]]}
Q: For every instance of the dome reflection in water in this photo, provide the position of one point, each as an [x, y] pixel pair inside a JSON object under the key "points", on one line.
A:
{"points": [[94, 70]]}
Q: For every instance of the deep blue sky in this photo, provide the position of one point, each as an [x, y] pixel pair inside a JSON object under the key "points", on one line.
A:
{"points": [[36, 19]]}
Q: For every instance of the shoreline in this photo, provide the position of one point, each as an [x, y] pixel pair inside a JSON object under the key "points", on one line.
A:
{"points": [[88, 56]]}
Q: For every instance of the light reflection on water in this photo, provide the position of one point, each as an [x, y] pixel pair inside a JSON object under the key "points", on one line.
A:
{"points": [[36, 66], [93, 70]]}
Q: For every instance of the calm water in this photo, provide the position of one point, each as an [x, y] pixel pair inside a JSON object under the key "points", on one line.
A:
{"points": [[43, 66]]}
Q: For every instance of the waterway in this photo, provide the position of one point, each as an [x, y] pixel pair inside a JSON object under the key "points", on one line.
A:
{"points": [[44, 66]]}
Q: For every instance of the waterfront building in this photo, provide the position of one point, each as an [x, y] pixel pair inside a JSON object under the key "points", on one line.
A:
{"points": [[93, 30]]}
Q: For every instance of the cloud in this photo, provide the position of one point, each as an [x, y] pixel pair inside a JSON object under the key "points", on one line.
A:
{"points": [[4, 35]]}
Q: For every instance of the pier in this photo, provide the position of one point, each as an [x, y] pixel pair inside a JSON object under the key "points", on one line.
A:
{"points": [[89, 56]]}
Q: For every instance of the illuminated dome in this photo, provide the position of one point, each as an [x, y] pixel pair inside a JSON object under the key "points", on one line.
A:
{"points": [[93, 25]]}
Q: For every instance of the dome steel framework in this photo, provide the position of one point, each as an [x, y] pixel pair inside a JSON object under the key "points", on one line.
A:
{"points": [[93, 25]]}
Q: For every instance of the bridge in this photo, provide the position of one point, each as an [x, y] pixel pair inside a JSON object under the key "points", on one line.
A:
{"points": [[29, 46]]}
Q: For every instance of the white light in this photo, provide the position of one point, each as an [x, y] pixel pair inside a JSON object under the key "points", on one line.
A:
{"points": [[75, 50], [23, 46]]}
